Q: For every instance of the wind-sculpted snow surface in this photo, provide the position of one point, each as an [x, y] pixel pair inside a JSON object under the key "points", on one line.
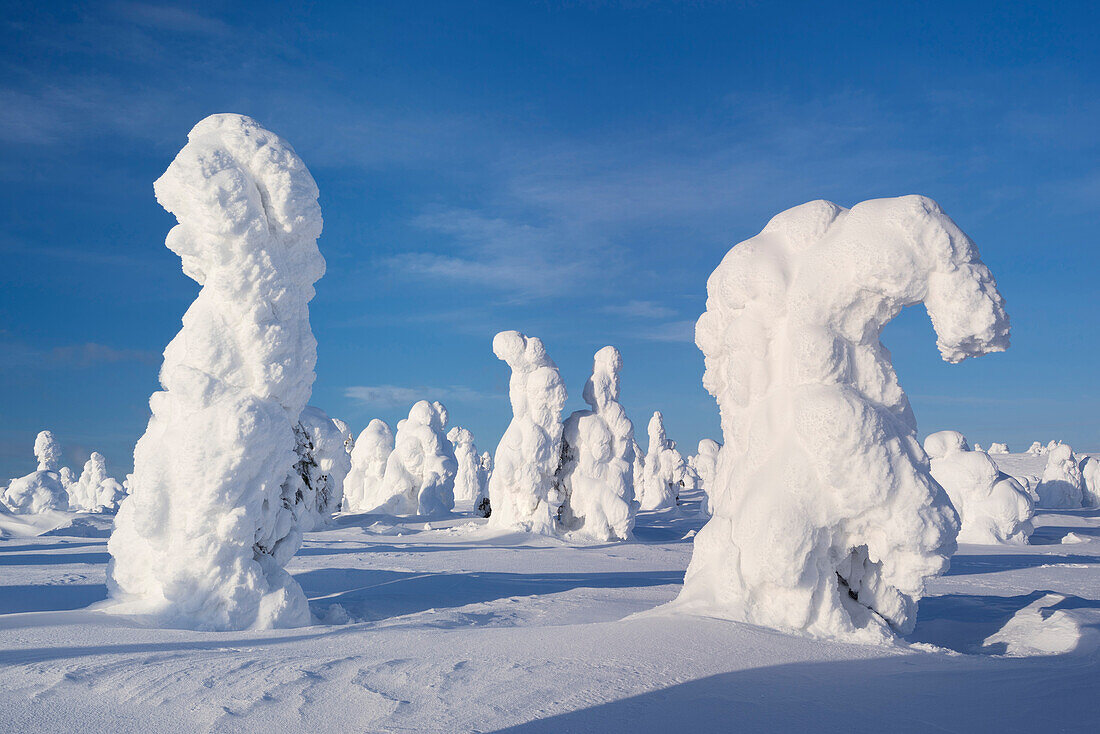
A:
{"points": [[471, 481], [597, 474], [1062, 485], [420, 472], [993, 507], [523, 491], [826, 519], [665, 471], [95, 491], [363, 485], [203, 537]]}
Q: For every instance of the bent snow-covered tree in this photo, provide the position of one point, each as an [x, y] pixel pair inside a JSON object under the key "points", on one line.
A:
{"points": [[993, 507], [208, 527], [597, 474], [826, 519], [363, 485], [523, 491]]}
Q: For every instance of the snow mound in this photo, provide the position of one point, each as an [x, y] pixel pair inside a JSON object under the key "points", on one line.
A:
{"points": [[372, 449], [420, 472], [597, 473], [95, 491], [471, 481], [209, 525], [1062, 486], [523, 491], [826, 519], [664, 471], [323, 464], [1034, 630], [993, 508]]}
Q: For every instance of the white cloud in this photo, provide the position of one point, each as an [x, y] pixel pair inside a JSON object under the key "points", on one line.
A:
{"points": [[640, 310], [672, 331]]}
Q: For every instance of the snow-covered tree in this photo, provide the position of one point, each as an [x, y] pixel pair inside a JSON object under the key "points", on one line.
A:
{"points": [[1090, 476], [998, 448], [42, 489], [345, 431], [420, 472], [705, 466], [1035, 448], [1062, 486], [470, 480], [485, 470], [95, 491], [363, 486], [665, 472], [597, 474], [323, 464], [993, 507], [209, 525], [522, 489], [826, 519]]}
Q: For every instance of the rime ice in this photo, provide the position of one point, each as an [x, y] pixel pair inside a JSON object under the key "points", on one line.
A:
{"points": [[420, 472], [522, 488], [363, 486], [826, 519], [597, 475], [203, 537], [664, 472]]}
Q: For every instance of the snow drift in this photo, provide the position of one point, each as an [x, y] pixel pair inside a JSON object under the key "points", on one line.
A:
{"points": [[597, 473], [523, 490], [826, 519], [208, 527], [371, 451], [993, 507]]}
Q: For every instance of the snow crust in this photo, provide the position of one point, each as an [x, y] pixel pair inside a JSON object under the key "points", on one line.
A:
{"points": [[471, 479], [523, 489], [665, 471], [371, 451], [420, 472], [95, 491], [1062, 485], [209, 525], [993, 507], [826, 519], [597, 473]]}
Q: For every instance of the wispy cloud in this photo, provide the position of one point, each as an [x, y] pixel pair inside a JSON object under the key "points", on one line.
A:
{"points": [[397, 396], [89, 354], [640, 310], [170, 18], [672, 331]]}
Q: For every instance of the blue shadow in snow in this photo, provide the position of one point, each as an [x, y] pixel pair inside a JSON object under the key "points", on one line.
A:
{"points": [[51, 559], [49, 597], [964, 565]]}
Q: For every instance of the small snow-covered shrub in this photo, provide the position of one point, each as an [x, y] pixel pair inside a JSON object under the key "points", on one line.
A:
{"points": [[998, 448], [826, 519], [522, 489], [95, 491], [420, 472], [664, 472], [363, 486], [597, 474], [43, 489], [470, 480], [1062, 486], [993, 507], [209, 525]]}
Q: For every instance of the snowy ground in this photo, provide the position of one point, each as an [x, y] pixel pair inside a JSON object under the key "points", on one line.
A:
{"points": [[455, 629]]}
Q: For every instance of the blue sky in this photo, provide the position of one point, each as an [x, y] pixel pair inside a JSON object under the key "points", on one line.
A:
{"points": [[571, 170]]}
